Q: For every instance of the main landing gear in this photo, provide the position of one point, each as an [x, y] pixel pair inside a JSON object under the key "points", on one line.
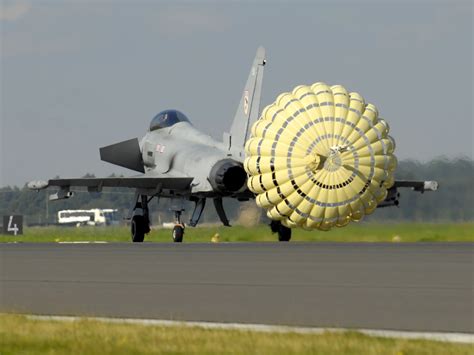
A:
{"points": [[284, 233], [140, 224]]}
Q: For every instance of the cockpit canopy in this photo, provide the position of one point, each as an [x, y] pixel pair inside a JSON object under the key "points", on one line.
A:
{"points": [[167, 118]]}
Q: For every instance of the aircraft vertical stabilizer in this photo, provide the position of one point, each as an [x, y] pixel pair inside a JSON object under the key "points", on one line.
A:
{"points": [[249, 106]]}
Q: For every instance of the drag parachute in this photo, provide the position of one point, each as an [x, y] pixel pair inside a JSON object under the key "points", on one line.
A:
{"points": [[320, 157]]}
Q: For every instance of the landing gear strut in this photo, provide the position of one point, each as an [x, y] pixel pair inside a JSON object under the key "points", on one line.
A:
{"points": [[284, 233], [140, 224]]}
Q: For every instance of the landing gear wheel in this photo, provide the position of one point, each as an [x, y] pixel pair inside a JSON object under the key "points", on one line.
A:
{"points": [[178, 233], [138, 227], [274, 226], [284, 233]]}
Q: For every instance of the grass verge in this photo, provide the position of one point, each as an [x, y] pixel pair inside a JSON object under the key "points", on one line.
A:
{"points": [[362, 232], [20, 335]]}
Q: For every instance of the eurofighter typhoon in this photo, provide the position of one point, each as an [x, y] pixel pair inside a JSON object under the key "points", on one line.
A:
{"points": [[316, 158]]}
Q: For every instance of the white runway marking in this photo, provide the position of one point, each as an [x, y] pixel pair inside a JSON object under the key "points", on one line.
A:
{"points": [[83, 242], [437, 336]]}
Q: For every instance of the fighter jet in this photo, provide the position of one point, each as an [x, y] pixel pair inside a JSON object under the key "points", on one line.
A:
{"points": [[177, 161]]}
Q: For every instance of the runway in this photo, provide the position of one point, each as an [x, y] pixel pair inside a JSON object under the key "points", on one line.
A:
{"points": [[416, 287]]}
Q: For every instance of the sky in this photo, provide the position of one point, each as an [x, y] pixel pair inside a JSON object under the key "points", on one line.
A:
{"points": [[78, 75]]}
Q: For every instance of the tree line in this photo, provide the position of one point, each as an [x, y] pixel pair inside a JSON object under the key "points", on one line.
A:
{"points": [[454, 201]]}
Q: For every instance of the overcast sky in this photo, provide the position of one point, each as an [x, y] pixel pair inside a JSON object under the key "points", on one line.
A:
{"points": [[77, 75]]}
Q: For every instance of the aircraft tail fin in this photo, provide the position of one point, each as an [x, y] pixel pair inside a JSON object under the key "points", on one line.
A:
{"points": [[249, 106]]}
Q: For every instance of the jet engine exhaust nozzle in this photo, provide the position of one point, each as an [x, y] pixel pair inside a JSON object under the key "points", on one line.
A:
{"points": [[228, 176]]}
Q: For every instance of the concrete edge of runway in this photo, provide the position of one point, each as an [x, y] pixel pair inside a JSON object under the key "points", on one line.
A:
{"points": [[465, 338]]}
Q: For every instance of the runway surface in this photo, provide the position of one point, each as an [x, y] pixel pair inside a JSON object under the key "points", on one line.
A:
{"points": [[418, 287]]}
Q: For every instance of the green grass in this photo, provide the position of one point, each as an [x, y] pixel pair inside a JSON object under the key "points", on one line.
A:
{"points": [[362, 232], [20, 335]]}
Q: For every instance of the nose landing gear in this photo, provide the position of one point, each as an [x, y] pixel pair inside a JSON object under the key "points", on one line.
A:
{"points": [[178, 229], [178, 234]]}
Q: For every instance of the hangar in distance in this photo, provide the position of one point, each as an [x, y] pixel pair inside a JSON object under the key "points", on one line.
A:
{"points": [[316, 158]]}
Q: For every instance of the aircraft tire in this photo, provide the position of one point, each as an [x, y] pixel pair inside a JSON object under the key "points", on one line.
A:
{"points": [[138, 229], [178, 233], [284, 233], [275, 226]]}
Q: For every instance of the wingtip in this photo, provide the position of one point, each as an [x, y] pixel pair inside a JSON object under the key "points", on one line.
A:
{"points": [[431, 186], [37, 185]]}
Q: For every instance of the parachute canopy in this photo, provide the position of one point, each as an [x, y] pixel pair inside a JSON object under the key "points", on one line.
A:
{"points": [[320, 157]]}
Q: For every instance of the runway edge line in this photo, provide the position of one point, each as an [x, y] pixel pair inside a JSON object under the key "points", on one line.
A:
{"points": [[437, 336]]}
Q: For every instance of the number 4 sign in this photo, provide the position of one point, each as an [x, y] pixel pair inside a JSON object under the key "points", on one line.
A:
{"points": [[13, 225]]}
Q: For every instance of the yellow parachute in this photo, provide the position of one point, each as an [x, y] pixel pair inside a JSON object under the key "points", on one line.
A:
{"points": [[320, 157]]}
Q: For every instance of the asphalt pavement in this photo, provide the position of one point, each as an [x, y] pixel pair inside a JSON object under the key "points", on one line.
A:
{"points": [[418, 287]]}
